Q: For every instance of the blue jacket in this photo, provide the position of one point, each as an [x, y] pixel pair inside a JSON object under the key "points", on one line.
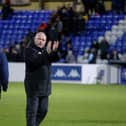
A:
{"points": [[4, 73]]}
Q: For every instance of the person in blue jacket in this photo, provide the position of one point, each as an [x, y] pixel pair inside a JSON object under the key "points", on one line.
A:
{"points": [[4, 72]]}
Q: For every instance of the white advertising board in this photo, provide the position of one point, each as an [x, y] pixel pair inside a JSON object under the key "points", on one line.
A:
{"points": [[72, 73]]}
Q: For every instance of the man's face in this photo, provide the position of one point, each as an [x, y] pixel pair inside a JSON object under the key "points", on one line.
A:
{"points": [[40, 39]]}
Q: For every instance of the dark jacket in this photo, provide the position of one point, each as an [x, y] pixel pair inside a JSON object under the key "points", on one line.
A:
{"points": [[38, 65], [6, 11], [4, 73]]}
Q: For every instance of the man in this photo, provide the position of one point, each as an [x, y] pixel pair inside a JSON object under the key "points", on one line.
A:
{"points": [[104, 47], [6, 10], [89, 6], [38, 57], [4, 73], [118, 6]]}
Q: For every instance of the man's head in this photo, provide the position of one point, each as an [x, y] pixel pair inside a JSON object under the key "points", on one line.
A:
{"points": [[40, 39]]}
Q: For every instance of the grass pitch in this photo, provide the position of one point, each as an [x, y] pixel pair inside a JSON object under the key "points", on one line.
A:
{"points": [[69, 105]]}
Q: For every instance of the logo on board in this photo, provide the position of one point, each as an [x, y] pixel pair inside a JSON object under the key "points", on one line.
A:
{"points": [[123, 75], [66, 73]]}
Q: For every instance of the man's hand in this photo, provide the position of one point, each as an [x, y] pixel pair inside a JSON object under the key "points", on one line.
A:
{"points": [[55, 46], [51, 48]]}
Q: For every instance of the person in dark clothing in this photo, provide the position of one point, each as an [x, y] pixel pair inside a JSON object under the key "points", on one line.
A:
{"points": [[52, 32], [38, 59], [29, 36], [114, 55], [95, 45], [6, 11], [4, 73], [118, 6], [104, 47], [100, 7], [92, 56], [89, 6]]}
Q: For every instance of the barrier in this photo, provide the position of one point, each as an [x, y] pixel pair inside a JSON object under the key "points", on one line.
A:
{"points": [[121, 69], [71, 73], [123, 75]]}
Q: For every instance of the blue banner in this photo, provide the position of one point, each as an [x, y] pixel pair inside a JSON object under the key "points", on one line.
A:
{"points": [[66, 73], [123, 75]]}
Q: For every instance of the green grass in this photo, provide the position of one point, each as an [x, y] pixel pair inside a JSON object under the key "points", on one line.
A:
{"points": [[69, 105]]}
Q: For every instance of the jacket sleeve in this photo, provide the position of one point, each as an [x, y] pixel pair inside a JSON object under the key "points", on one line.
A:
{"points": [[33, 58], [4, 72], [54, 56]]}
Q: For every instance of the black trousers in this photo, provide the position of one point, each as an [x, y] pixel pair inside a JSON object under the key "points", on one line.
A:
{"points": [[36, 109]]}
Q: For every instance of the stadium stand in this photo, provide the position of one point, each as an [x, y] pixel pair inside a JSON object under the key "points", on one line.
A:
{"points": [[98, 27], [111, 26], [14, 29]]}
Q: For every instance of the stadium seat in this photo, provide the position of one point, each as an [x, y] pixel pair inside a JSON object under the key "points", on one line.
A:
{"points": [[21, 21], [97, 27]]}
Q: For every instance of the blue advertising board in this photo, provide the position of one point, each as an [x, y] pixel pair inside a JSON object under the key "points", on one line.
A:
{"points": [[123, 75], [66, 73]]}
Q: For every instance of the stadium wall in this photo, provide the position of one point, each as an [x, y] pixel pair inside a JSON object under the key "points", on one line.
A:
{"points": [[46, 4], [18, 2], [72, 73]]}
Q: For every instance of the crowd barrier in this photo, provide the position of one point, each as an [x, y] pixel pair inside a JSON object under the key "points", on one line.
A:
{"points": [[122, 69], [75, 73]]}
